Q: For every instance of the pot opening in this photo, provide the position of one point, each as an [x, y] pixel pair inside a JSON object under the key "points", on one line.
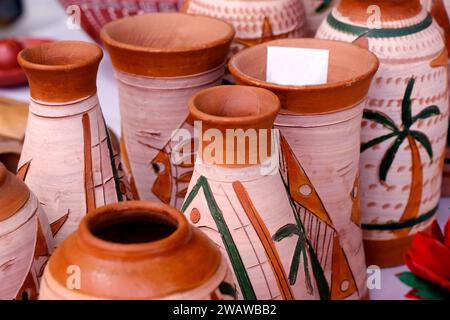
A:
{"points": [[132, 227], [167, 31], [62, 53]]}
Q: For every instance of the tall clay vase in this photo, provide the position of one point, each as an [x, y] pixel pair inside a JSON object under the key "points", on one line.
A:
{"points": [[161, 59], [25, 239], [320, 129], [67, 158], [440, 9], [255, 21], [316, 12], [404, 131], [136, 250], [239, 199]]}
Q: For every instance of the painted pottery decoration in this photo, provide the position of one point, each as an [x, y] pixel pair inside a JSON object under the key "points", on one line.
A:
{"points": [[441, 12], [67, 158], [25, 239], [320, 139], [161, 59], [137, 250], [255, 21], [13, 121], [404, 130], [316, 12]]}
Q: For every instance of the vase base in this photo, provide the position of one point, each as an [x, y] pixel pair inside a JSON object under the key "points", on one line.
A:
{"points": [[387, 253]]}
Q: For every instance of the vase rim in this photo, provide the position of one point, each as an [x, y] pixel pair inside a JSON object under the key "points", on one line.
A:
{"points": [[297, 98], [180, 235]]}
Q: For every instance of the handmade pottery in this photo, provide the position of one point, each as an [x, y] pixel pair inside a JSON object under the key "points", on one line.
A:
{"points": [[440, 9], [255, 21], [404, 131], [25, 239], [161, 59], [136, 250], [320, 137], [67, 159], [316, 12]]}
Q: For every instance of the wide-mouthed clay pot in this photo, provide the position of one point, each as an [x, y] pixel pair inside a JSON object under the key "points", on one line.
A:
{"points": [[404, 131], [25, 239], [161, 59], [136, 250], [320, 138], [255, 21], [240, 198], [316, 12], [67, 158]]}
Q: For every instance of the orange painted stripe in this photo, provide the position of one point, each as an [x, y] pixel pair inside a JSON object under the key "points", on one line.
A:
{"points": [[88, 175], [23, 170], [266, 240]]}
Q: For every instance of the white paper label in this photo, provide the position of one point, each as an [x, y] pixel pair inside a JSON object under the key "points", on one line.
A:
{"points": [[297, 66]]}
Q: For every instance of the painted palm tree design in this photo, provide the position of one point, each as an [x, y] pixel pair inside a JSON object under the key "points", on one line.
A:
{"points": [[401, 134]]}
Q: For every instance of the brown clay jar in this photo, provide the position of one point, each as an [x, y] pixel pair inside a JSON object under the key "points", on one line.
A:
{"points": [[136, 250], [161, 59]]}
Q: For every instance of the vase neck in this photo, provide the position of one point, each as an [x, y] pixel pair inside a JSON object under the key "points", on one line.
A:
{"points": [[362, 11]]}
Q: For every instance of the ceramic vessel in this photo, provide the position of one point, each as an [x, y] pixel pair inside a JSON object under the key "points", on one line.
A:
{"points": [[136, 250], [67, 159], [320, 139], [25, 239], [255, 21], [440, 9], [161, 59], [404, 131], [316, 12]]}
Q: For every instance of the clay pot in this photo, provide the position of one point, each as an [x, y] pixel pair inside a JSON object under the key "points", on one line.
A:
{"points": [[67, 159], [254, 21], [404, 131], [161, 59], [25, 239], [320, 128], [136, 250], [316, 12]]}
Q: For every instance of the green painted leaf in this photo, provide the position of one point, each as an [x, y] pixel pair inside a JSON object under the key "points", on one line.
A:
{"points": [[424, 141], [295, 264], [406, 104], [389, 157], [322, 284], [227, 289], [427, 113], [381, 118], [423, 288], [288, 230], [371, 143]]}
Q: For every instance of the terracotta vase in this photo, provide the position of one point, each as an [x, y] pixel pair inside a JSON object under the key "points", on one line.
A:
{"points": [[316, 12], [67, 159], [25, 239], [404, 131], [320, 137], [255, 21], [440, 9], [136, 250], [161, 59]]}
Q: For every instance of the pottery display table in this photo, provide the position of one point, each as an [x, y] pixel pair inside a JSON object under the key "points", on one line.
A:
{"points": [[52, 24]]}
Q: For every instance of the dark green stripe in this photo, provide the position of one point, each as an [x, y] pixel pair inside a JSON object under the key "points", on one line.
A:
{"points": [[113, 164], [379, 33], [401, 225], [233, 253], [323, 6]]}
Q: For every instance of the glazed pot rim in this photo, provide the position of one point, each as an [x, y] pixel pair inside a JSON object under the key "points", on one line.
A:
{"points": [[236, 72], [180, 235], [109, 40], [273, 108], [94, 59]]}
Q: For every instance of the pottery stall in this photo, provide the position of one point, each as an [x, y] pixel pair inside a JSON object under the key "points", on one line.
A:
{"points": [[25, 239], [320, 126], [67, 158], [255, 21], [139, 251], [404, 131], [161, 59], [316, 11]]}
